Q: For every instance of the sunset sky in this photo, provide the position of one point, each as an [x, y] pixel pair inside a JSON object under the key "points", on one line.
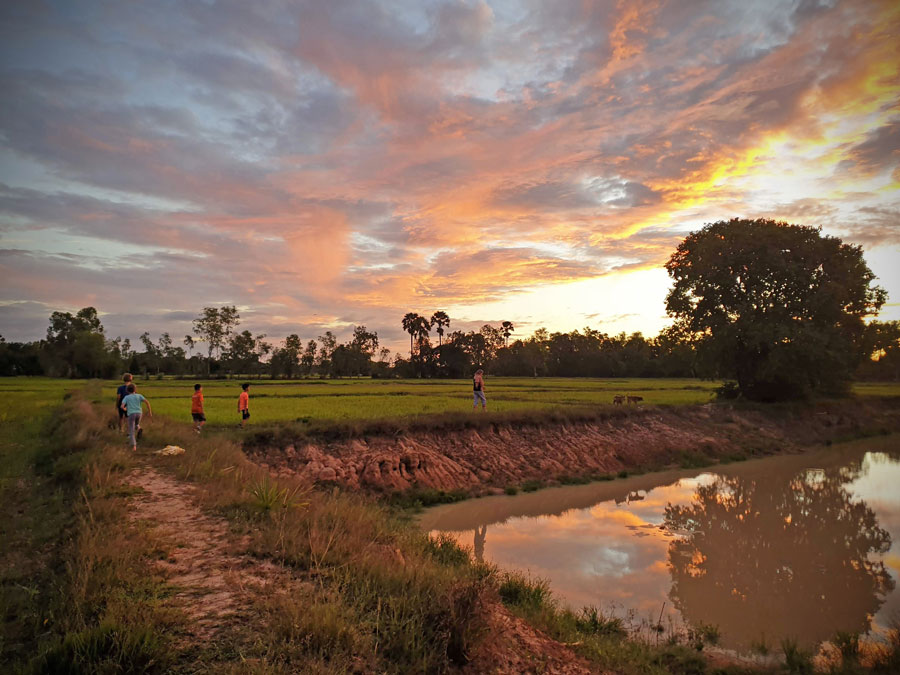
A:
{"points": [[323, 164]]}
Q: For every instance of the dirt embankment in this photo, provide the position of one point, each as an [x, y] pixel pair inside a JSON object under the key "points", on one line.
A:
{"points": [[485, 460]]}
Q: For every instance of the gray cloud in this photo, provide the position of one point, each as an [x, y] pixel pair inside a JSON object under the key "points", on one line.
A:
{"points": [[343, 159]]}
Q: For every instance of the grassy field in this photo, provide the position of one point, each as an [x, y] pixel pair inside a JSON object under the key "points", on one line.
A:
{"points": [[80, 592], [362, 400]]}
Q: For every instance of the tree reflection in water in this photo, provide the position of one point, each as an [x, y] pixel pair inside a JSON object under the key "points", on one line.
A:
{"points": [[778, 557]]}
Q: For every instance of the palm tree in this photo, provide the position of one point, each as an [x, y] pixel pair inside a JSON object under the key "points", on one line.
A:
{"points": [[440, 319], [506, 328], [423, 328], [410, 323]]}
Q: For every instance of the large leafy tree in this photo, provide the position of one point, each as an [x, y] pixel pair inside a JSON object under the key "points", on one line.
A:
{"points": [[76, 345], [779, 307]]}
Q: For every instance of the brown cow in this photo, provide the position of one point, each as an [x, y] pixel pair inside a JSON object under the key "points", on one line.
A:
{"points": [[634, 399], [618, 400]]}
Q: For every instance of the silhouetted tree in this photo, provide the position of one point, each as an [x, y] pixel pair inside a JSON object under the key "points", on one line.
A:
{"points": [[76, 346], [780, 307], [439, 321], [507, 329], [329, 344], [215, 326], [417, 327], [308, 360]]}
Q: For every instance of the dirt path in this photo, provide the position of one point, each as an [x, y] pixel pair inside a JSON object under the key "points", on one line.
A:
{"points": [[215, 581], [204, 561]]}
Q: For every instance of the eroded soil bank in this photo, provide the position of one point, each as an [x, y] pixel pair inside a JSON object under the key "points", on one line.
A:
{"points": [[484, 460]]}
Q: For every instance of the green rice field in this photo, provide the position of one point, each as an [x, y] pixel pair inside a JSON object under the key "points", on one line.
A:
{"points": [[351, 399]]}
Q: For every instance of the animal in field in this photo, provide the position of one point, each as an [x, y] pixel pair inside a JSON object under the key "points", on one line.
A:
{"points": [[618, 400], [634, 399]]}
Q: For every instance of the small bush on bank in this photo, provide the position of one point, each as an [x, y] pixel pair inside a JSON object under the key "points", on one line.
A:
{"points": [[422, 497], [518, 591], [592, 621], [446, 551], [109, 647], [532, 485], [694, 460], [797, 660]]}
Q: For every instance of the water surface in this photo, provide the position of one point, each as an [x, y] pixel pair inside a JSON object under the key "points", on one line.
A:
{"points": [[793, 546]]}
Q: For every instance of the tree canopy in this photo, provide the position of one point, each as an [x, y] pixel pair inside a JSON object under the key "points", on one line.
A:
{"points": [[779, 307]]}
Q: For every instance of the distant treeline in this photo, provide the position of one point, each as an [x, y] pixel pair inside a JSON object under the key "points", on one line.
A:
{"points": [[76, 346]]}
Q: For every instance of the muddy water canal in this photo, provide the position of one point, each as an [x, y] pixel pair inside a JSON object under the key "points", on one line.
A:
{"points": [[796, 546]]}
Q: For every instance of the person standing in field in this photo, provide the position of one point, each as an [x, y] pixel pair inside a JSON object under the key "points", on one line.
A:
{"points": [[197, 408], [478, 390], [121, 393], [244, 403], [132, 404]]}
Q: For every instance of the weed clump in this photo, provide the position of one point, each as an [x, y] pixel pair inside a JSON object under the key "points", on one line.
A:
{"points": [[592, 621], [797, 660], [517, 590], [109, 647], [446, 551], [532, 485]]}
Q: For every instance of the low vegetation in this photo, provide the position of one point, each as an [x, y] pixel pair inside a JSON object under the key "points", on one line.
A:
{"points": [[360, 588]]}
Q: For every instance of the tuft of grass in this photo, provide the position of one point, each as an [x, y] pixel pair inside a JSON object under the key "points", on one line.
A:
{"points": [[532, 485], [885, 657], [417, 498], [574, 480], [446, 550], [268, 495], [847, 643], [701, 634], [107, 648], [622, 474], [760, 646], [797, 660], [511, 490], [517, 590], [694, 460], [593, 622]]}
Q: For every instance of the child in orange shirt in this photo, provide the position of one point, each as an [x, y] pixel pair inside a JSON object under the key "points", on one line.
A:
{"points": [[197, 408], [244, 403]]}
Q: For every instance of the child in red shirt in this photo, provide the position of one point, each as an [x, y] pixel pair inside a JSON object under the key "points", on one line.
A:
{"points": [[244, 404], [197, 408]]}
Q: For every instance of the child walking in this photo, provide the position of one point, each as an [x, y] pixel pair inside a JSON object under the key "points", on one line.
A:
{"points": [[197, 408], [244, 403], [132, 405], [121, 393], [478, 390]]}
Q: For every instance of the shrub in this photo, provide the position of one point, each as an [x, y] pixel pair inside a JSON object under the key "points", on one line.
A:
{"points": [[106, 648], [798, 661], [518, 591], [592, 621], [445, 550], [532, 485]]}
